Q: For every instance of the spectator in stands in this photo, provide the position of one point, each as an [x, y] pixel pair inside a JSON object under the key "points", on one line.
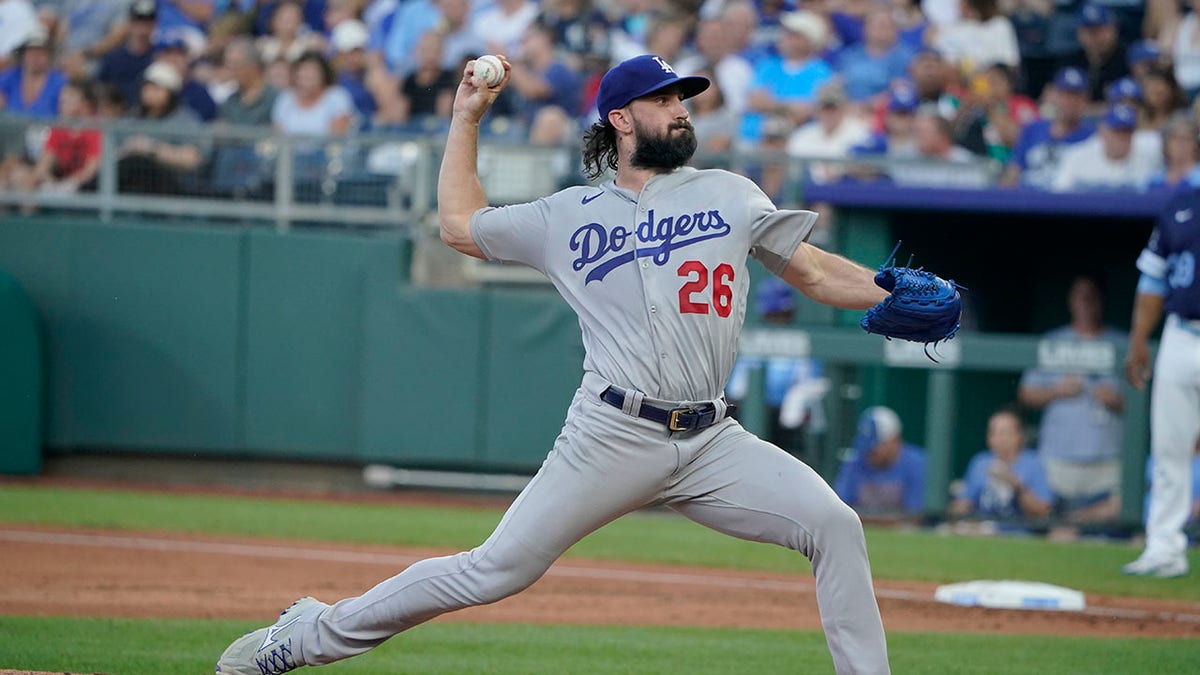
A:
{"points": [[547, 90], [883, 474], [793, 387], [982, 36], [185, 19], [124, 65], [338, 11], [238, 170], [18, 19], [84, 31], [739, 22], [1181, 154], [871, 66], [110, 102], [314, 105], [911, 22], [428, 93], [1186, 51], [289, 38], [1081, 430], [786, 84], [934, 81], [1034, 22], [165, 158], [252, 102], [411, 20], [70, 158], [995, 114], [32, 87], [502, 25], [1037, 154], [1102, 56], [714, 53], [194, 95], [668, 36], [1006, 481], [1144, 55], [580, 29], [713, 121], [460, 42], [895, 140], [355, 74], [945, 164], [1109, 160], [836, 129], [1161, 96]]}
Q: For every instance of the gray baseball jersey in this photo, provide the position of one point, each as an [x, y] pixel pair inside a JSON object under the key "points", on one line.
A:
{"points": [[659, 282], [659, 279]]}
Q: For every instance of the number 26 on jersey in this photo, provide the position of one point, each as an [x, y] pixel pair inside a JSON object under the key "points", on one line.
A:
{"points": [[695, 296]]}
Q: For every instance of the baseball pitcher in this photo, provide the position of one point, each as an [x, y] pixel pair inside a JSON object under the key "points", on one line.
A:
{"points": [[654, 264]]}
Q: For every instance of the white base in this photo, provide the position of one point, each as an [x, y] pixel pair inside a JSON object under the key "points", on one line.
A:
{"points": [[1010, 594]]}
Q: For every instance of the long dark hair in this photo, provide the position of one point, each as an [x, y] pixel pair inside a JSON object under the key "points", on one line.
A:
{"points": [[599, 149]]}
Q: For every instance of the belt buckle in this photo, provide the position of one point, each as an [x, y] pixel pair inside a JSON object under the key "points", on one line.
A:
{"points": [[673, 419]]}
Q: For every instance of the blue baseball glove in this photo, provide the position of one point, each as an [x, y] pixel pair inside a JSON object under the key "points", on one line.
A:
{"points": [[922, 306]]}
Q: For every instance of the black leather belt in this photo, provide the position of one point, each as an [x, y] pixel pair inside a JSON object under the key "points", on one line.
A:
{"points": [[685, 418]]}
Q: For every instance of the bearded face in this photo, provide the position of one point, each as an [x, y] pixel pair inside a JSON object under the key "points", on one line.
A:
{"points": [[668, 150]]}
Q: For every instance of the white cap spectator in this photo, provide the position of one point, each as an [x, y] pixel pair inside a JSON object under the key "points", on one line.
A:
{"points": [[164, 75], [349, 35], [808, 24], [37, 37]]}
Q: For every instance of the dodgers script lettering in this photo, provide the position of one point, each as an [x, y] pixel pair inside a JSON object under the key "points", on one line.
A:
{"points": [[601, 247]]}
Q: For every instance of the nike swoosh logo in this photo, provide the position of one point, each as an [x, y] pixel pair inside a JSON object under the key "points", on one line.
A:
{"points": [[273, 630], [585, 200], [1183, 215]]}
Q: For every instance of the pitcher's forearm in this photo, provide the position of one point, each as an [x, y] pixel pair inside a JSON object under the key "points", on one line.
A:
{"points": [[832, 280], [1147, 312], [460, 193]]}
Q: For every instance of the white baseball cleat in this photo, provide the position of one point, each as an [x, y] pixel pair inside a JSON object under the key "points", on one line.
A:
{"points": [[270, 650], [1162, 567]]}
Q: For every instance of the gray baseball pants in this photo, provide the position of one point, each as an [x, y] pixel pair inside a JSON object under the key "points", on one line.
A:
{"points": [[603, 465]]}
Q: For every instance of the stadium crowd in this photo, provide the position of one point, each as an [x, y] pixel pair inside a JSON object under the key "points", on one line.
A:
{"points": [[1063, 94]]}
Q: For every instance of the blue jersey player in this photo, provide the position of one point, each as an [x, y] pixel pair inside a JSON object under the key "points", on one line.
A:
{"points": [[1169, 285]]}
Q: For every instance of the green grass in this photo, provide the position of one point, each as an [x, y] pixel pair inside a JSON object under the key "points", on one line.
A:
{"points": [[158, 647], [654, 537]]}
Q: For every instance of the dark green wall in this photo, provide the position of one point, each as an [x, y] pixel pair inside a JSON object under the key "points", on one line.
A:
{"points": [[306, 344]]}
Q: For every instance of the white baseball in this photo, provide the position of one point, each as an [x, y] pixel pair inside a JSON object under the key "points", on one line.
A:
{"points": [[489, 70]]}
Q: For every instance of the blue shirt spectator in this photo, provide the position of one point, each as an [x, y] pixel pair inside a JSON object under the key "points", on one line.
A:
{"points": [[1036, 156], [786, 84], [869, 67], [885, 474], [1005, 481], [1081, 430], [34, 66], [123, 66]]}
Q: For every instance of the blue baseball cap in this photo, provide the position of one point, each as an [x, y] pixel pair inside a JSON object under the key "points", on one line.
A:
{"points": [[1094, 14], [1121, 117], [876, 425], [1142, 51], [1124, 88], [1071, 79], [774, 296], [638, 76]]}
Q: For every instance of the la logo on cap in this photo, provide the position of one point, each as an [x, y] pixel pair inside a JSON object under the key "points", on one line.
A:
{"points": [[664, 65]]}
